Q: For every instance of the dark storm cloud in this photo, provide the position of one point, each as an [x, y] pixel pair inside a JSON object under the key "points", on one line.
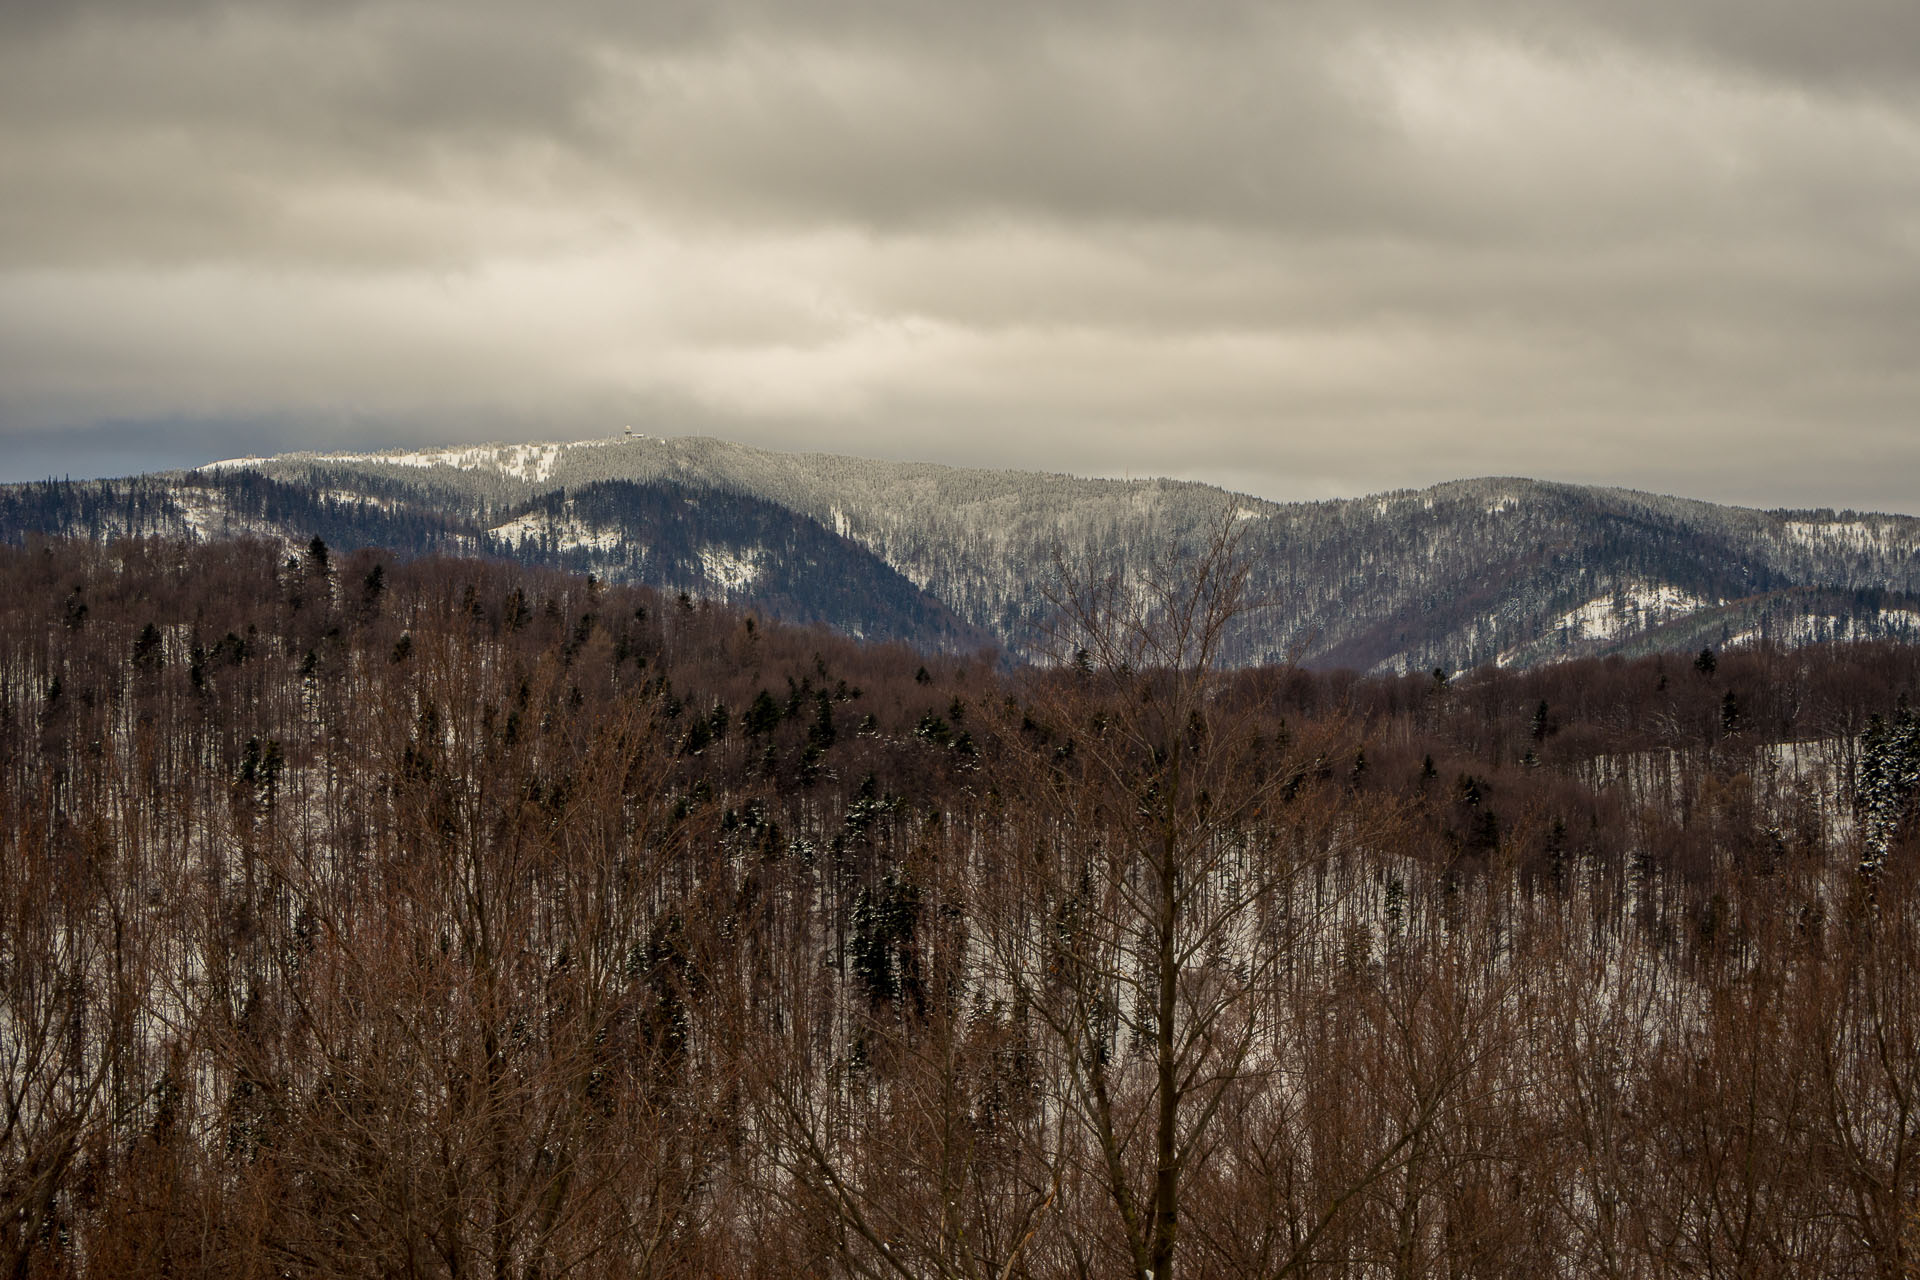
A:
{"points": [[1863, 44], [1306, 247]]}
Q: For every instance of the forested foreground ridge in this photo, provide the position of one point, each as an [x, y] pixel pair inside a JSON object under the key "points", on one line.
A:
{"points": [[446, 917]]}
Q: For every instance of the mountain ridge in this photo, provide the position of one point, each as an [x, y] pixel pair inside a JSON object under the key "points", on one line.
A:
{"points": [[1501, 569]]}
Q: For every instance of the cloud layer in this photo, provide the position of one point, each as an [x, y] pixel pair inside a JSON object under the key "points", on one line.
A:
{"points": [[1304, 249]]}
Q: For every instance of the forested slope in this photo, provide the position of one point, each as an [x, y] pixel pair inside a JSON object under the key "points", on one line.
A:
{"points": [[444, 916], [671, 536]]}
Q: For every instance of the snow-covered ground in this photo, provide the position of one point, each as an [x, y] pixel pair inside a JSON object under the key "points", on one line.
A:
{"points": [[1880, 536], [563, 534], [733, 572], [533, 463], [1633, 608], [1819, 628]]}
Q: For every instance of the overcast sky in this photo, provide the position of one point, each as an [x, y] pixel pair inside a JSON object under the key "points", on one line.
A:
{"points": [[1302, 249]]}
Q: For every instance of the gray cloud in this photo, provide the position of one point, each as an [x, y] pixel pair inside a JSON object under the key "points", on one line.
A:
{"points": [[1307, 248]]}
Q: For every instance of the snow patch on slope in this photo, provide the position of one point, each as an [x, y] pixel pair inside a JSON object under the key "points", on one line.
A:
{"points": [[1822, 628], [566, 534], [732, 572], [1617, 615], [1846, 535], [530, 462], [533, 463], [1633, 608]]}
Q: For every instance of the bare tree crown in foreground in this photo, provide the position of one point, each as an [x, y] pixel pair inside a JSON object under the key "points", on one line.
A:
{"points": [[1150, 913]]}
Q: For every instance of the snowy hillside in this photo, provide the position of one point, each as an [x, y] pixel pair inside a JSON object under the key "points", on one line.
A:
{"points": [[1504, 570]]}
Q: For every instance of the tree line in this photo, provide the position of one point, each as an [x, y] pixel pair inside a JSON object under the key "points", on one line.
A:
{"points": [[446, 917]]}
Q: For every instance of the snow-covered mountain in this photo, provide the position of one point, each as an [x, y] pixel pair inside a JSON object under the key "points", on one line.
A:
{"points": [[1510, 571]]}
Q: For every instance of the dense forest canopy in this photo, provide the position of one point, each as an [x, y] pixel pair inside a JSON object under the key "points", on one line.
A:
{"points": [[440, 917]]}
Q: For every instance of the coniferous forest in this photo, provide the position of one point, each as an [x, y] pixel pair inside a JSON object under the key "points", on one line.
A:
{"points": [[449, 918]]}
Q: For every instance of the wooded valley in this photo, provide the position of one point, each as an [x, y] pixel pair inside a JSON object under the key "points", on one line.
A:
{"points": [[450, 918]]}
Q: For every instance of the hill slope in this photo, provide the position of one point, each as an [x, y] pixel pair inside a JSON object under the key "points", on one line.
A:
{"points": [[1502, 570]]}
